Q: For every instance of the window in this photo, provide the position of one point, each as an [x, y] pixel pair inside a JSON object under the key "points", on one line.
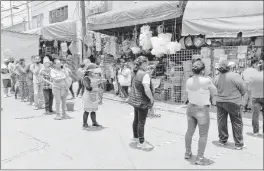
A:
{"points": [[37, 21], [58, 15]]}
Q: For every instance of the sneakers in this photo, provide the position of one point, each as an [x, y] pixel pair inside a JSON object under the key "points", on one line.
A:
{"points": [[221, 144], [135, 140], [256, 134], [65, 116], [58, 117], [46, 113], [202, 161], [143, 145], [188, 155], [85, 125], [5, 96], [238, 148], [36, 108], [96, 125]]}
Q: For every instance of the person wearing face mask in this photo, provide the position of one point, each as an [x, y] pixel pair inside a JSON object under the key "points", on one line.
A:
{"points": [[141, 98], [44, 74], [199, 89], [60, 88], [5, 75], [21, 68], [90, 97], [38, 93]]}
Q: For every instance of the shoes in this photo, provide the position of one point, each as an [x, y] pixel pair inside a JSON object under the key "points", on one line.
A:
{"points": [[221, 144], [238, 148], [135, 140], [85, 125], [65, 116], [96, 124], [36, 108], [5, 96], [47, 113], [52, 112], [143, 145], [58, 117], [202, 161], [256, 134], [188, 155], [15, 96]]}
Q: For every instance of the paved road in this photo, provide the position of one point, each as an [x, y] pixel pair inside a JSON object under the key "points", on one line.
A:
{"points": [[31, 140]]}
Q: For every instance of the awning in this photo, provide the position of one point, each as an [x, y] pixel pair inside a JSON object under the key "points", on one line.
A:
{"points": [[114, 19], [223, 18], [65, 31]]}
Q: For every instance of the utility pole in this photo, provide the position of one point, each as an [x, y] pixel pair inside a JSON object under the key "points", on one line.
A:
{"points": [[29, 16], [11, 10], [82, 4]]}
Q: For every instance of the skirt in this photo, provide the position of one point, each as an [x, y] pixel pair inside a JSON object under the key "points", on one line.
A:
{"points": [[6, 83], [90, 101]]}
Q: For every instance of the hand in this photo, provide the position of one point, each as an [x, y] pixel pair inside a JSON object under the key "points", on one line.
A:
{"points": [[152, 101]]}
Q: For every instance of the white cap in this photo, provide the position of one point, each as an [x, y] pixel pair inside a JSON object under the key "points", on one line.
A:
{"points": [[46, 60]]}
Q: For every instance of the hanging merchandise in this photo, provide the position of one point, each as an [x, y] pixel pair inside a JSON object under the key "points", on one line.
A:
{"points": [[182, 43], [188, 41], [205, 52], [89, 40], [174, 46], [97, 41], [135, 49], [55, 45], [207, 62], [73, 47], [144, 38], [198, 42], [113, 46], [218, 52], [64, 47], [259, 41]]}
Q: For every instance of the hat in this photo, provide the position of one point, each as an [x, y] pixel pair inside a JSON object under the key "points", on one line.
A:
{"points": [[6, 60], [46, 60], [91, 66], [224, 65]]}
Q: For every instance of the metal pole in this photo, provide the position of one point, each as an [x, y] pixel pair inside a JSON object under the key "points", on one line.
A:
{"points": [[29, 15], [82, 4], [11, 10]]}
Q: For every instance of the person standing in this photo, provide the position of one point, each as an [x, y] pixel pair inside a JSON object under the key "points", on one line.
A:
{"points": [[256, 87], [30, 83], [66, 67], [199, 89], [11, 67], [141, 98], [22, 78], [44, 74], [230, 88], [5, 75], [125, 80], [38, 93], [90, 96], [80, 74], [59, 89]]}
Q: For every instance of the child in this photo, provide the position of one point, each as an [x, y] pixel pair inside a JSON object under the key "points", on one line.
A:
{"points": [[90, 96]]}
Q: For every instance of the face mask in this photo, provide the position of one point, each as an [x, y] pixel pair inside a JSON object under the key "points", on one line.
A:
{"points": [[37, 62]]}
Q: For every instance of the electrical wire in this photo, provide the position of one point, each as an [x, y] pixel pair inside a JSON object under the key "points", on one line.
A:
{"points": [[19, 13], [15, 6]]}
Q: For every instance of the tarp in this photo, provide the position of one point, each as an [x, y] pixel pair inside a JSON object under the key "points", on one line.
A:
{"points": [[223, 18], [65, 31], [118, 18], [18, 45]]}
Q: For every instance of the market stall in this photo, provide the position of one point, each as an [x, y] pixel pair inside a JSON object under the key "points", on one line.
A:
{"points": [[26, 45], [61, 40]]}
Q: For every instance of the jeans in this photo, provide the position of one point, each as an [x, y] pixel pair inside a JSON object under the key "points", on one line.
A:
{"points": [[30, 90], [71, 90], [197, 115], [80, 88], [60, 94], [234, 111], [13, 83], [257, 103], [38, 94], [48, 97], [124, 90], [24, 89], [140, 116]]}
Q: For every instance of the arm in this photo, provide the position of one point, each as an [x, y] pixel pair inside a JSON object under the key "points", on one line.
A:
{"points": [[212, 88], [35, 70], [125, 73], [87, 83], [55, 77], [238, 81], [146, 84]]}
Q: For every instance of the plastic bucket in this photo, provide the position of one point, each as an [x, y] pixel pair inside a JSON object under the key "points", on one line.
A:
{"points": [[70, 106]]}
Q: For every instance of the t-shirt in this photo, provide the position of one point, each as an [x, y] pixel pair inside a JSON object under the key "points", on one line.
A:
{"points": [[36, 68], [7, 75], [125, 77], [256, 85], [146, 79]]}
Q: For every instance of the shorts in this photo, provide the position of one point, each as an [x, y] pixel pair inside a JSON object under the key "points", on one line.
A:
{"points": [[6, 83]]}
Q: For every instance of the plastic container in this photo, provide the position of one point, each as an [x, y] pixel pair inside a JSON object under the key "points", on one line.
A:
{"points": [[70, 106]]}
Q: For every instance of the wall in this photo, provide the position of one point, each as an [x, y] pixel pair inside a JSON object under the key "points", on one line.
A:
{"points": [[47, 6], [117, 5]]}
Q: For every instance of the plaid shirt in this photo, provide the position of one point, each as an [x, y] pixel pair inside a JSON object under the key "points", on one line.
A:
{"points": [[45, 73]]}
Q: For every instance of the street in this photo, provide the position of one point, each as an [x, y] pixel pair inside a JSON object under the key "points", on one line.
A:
{"points": [[31, 140]]}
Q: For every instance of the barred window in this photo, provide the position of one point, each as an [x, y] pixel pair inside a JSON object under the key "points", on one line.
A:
{"points": [[58, 15]]}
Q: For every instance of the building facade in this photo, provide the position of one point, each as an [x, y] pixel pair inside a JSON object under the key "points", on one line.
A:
{"points": [[20, 27], [48, 12]]}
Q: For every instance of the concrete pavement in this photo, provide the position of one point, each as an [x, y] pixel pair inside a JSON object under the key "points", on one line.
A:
{"points": [[30, 140]]}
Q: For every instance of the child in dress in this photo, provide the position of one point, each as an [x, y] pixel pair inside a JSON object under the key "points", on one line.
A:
{"points": [[90, 96]]}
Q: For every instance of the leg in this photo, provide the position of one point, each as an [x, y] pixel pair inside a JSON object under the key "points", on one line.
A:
{"points": [[235, 114], [63, 104], [57, 94], [82, 90], [50, 100], [85, 118], [40, 96], [93, 117], [222, 123], [142, 116], [255, 116], [36, 95], [203, 120], [46, 98], [135, 123], [71, 90], [192, 123], [79, 88]]}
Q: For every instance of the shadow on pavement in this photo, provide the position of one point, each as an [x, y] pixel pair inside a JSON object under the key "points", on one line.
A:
{"points": [[93, 128], [134, 146], [193, 158], [228, 145], [257, 136]]}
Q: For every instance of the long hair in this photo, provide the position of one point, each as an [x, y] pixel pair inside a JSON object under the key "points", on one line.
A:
{"points": [[138, 62]]}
